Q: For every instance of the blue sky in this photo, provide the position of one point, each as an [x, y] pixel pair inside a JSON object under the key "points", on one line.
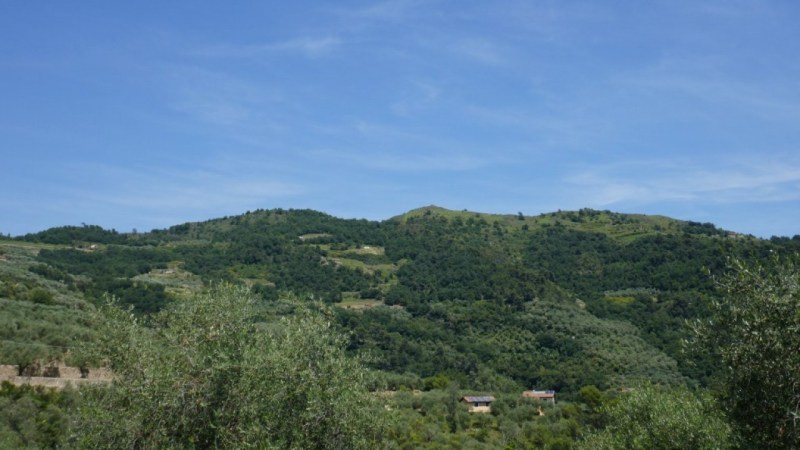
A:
{"points": [[150, 114]]}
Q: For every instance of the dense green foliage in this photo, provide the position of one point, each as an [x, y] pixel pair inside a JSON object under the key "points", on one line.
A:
{"points": [[472, 288], [72, 235], [34, 417], [41, 318], [549, 343], [653, 418], [584, 302], [213, 371], [437, 419], [32, 335], [755, 330]]}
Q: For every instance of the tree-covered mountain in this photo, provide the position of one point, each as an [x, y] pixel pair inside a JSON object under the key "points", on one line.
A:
{"points": [[494, 303], [559, 300]]}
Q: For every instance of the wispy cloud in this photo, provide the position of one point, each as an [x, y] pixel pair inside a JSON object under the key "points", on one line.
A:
{"points": [[383, 10], [479, 50], [307, 45], [164, 190], [549, 128], [384, 147], [653, 182], [240, 109], [412, 162], [730, 8], [711, 81], [418, 147], [419, 95]]}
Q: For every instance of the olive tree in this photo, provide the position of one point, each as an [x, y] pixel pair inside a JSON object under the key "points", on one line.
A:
{"points": [[755, 330], [210, 372], [658, 418]]}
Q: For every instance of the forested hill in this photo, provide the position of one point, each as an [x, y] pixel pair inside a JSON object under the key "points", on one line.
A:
{"points": [[557, 301]]}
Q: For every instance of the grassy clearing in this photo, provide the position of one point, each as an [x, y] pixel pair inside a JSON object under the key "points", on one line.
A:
{"points": [[175, 279], [619, 300], [367, 250], [29, 248], [358, 303], [354, 264], [313, 236], [349, 263]]}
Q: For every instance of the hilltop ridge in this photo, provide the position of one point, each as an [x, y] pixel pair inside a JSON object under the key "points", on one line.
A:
{"points": [[618, 225]]}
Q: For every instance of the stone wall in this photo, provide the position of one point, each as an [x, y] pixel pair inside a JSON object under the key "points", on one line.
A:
{"points": [[101, 373], [55, 376], [7, 371], [70, 372]]}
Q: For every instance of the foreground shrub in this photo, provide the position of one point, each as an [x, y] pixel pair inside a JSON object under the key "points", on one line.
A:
{"points": [[210, 373]]}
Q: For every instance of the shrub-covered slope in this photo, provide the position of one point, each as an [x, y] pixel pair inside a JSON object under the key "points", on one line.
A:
{"points": [[559, 300]]}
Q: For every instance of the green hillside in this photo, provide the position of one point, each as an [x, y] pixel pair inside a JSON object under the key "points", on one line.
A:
{"points": [[42, 313], [433, 298], [432, 292]]}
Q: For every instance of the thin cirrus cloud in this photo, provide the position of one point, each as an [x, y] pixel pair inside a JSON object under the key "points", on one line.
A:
{"points": [[148, 198], [756, 99], [420, 95], [385, 10], [653, 182], [479, 50], [240, 108], [389, 162], [307, 46], [393, 148], [447, 162], [179, 189]]}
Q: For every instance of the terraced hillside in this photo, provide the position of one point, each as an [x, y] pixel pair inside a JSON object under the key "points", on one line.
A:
{"points": [[560, 300]]}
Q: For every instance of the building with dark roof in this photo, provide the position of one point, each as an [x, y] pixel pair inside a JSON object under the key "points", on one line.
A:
{"points": [[481, 404], [547, 396]]}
